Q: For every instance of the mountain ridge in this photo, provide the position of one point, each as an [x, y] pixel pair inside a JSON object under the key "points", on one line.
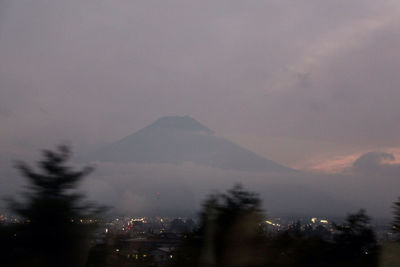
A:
{"points": [[179, 139]]}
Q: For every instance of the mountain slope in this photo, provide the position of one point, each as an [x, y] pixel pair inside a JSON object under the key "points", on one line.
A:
{"points": [[183, 139]]}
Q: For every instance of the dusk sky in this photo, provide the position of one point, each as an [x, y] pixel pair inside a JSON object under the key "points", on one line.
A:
{"points": [[310, 84]]}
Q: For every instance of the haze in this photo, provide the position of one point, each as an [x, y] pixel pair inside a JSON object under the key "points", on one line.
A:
{"points": [[312, 85]]}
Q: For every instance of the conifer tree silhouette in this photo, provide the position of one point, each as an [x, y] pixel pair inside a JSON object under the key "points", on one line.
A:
{"points": [[56, 228], [396, 221]]}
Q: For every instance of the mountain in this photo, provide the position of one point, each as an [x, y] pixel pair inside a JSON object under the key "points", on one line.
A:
{"points": [[177, 139], [176, 188]]}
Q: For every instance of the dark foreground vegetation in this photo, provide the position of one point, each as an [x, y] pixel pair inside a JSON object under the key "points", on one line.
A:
{"points": [[56, 227], [232, 234]]}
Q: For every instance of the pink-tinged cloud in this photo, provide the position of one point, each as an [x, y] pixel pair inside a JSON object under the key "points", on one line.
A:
{"points": [[341, 163]]}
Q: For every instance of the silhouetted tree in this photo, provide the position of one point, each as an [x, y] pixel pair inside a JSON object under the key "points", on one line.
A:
{"points": [[355, 241], [55, 229], [396, 221], [228, 233], [297, 248]]}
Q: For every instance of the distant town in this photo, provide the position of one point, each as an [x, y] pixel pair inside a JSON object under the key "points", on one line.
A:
{"points": [[153, 241]]}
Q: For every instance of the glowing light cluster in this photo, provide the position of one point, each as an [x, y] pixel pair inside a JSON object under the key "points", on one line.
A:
{"points": [[273, 224]]}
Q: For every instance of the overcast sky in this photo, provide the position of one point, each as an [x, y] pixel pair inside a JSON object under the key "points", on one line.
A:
{"points": [[305, 83]]}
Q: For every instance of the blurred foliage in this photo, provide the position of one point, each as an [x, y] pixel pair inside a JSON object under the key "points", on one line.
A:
{"points": [[232, 234], [355, 241], [56, 226], [396, 221]]}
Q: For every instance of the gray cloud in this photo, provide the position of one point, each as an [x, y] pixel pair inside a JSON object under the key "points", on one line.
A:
{"points": [[377, 163], [94, 71], [306, 69]]}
